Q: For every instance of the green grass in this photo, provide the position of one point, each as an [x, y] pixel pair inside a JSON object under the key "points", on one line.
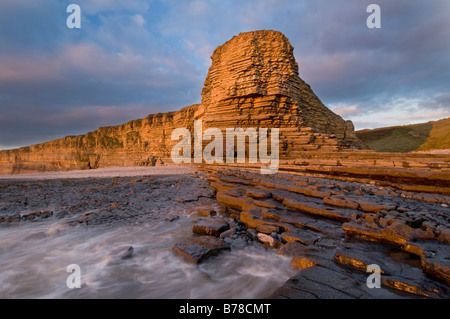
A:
{"points": [[416, 137]]}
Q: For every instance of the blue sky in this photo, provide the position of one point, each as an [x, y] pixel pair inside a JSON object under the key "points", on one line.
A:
{"points": [[132, 58]]}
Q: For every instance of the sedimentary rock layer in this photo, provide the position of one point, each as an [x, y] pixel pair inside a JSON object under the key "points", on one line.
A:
{"points": [[144, 142], [334, 229], [254, 82]]}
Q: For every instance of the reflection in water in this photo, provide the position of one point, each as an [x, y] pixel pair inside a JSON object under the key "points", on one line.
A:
{"points": [[34, 258]]}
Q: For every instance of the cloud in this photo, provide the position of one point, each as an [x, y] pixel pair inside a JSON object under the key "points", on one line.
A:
{"points": [[138, 19], [344, 110], [399, 111], [135, 57], [107, 6]]}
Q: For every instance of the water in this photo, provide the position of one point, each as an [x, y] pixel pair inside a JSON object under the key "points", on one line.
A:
{"points": [[34, 259]]}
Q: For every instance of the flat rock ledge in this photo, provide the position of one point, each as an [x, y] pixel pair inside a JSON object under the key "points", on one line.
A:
{"points": [[210, 227], [197, 249], [333, 229]]}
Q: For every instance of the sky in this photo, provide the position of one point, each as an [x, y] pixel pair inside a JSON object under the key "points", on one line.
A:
{"points": [[131, 58]]}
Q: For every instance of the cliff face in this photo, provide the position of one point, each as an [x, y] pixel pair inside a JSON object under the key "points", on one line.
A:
{"points": [[253, 82], [144, 142]]}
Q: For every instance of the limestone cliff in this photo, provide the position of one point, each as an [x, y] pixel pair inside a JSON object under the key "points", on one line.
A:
{"points": [[144, 142], [253, 82]]}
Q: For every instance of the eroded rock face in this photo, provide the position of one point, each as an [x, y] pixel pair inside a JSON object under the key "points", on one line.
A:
{"points": [[253, 82], [143, 142]]}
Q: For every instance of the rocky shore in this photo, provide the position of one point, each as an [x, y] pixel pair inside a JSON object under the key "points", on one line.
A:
{"points": [[120, 225], [331, 229], [335, 229], [333, 207]]}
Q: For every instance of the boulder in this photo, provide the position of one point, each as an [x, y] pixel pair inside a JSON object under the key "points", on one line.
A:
{"points": [[196, 250], [269, 240], [210, 227]]}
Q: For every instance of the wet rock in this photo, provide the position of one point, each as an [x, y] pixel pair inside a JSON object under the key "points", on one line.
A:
{"points": [[301, 263], [119, 255], [12, 219], [255, 217], [238, 243], [320, 255], [322, 283], [62, 214], [409, 286], [172, 218], [336, 201], [87, 216], [229, 201], [360, 257], [197, 249], [399, 270], [316, 217], [293, 248], [252, 234], [210, 227], [303, 236], [435, 259], [269, 240], [268, 203], [206, 213], [228, 233], [372, 207], [258, 193], [316, 209], [267, 229], [128, 254], [47, 214]]}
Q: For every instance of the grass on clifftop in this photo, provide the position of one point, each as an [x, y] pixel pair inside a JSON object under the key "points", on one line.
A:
{"points": [[416, 137]]}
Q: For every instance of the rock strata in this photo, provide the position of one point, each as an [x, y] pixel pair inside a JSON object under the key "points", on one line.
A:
{"points": [[253, 82], [211, 227], [335, 229]]}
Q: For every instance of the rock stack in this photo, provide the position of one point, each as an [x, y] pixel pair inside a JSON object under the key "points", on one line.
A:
{"points": [[254, 82]]}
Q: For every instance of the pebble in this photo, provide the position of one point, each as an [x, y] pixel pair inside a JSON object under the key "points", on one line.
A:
{"points": [[252, 233], [171, 218], [227, 234]]}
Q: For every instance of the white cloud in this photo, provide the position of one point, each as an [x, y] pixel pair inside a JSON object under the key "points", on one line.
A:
{"points": [[138, 19], [344, 110], [102, 6], [400, 111]]}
